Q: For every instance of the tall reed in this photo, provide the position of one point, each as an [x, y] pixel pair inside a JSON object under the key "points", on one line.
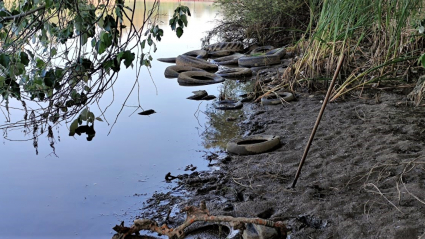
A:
{"points": [[377, 36]]}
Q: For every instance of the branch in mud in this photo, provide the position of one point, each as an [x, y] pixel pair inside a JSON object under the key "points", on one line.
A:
{"points": [[194, 214]]}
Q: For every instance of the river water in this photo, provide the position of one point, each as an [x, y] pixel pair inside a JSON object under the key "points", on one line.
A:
{"points": [[91, 186]]}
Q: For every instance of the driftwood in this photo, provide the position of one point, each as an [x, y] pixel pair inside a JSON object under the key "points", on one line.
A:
{"points": [[194, 214]]}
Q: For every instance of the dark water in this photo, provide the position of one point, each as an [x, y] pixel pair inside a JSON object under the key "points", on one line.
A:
{"points": [[94, 185]]}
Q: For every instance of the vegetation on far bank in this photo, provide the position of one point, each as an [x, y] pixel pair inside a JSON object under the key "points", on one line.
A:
{"points": [[383, 40]]}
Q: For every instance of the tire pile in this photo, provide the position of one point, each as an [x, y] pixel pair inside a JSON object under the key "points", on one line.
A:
{"points": [[193, 68]]}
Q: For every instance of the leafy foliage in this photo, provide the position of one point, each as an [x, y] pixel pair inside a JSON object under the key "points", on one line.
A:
{"points": [[60, 56]]}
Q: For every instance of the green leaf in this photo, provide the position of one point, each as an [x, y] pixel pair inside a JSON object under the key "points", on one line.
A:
{"points": [[49, 78], [128, 57], [53, 52], [422, 59], [184, 20], [4, 60], [24, 58], [143, 44], [150, 40], [99, 119], [93, 42], [90, 117], [39, 63], [73, 127], [84, 114], [179, 32], [173, 23], [84, 38]]}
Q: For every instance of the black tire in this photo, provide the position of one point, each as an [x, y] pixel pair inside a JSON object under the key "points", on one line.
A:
{"points": [[262, 49], [228, 105], [221, 230], [209, 97], [190, 78], [230, 46], [198, 95], [183, 60], [167, 60], [255, 144], [228, 60], [281, 52], [174, 71], [254, 61], [221, 53], [197, 53], [273, 99], [235, 72]]}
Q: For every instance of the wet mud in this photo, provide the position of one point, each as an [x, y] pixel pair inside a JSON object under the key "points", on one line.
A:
{"points": [[364, 176]]}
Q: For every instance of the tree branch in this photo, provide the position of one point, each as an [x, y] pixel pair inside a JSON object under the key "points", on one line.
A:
{"points": [[194, 214], [24, 14]]}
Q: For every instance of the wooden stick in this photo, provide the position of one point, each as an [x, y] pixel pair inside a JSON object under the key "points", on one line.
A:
{"points": [[319, 117], [194, 214]]}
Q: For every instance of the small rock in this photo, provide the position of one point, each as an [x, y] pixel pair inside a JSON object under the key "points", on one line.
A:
{"points": [[230, 119]]}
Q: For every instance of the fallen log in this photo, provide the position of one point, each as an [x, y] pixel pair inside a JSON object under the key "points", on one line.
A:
{"points": [[194, 214]]}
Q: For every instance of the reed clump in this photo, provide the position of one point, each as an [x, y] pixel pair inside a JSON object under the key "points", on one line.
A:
{"points": [[265, 22], [378, 37]]}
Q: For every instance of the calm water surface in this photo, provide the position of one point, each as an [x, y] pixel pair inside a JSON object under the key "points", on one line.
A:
{"points": [[90, 187]]}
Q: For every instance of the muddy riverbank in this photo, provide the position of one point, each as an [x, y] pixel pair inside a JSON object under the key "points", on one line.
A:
{"points": [[363, 178]]}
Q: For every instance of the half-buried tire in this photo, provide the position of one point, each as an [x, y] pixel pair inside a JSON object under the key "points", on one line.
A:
{"points": [[174, 71], [277, 98], [228, 105], [183, 60], [255, 144], [190, 78], [263, 60]]}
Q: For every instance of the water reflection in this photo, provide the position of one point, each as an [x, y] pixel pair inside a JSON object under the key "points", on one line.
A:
{"points": [[223, 124], [94, 185]]}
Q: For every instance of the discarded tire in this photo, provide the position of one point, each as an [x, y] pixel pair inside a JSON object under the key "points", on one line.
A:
{"points": [[208, 231], [174, 71], [277, 98], [281, 52], [197, 53], [183, 60], [209, 97], [228, 105], [221, 53], [168, 59], [263, 60], [255, 144], [228, 60], [198, 78], [198, 95], [229, 46], [262, 49], [235, 72]]}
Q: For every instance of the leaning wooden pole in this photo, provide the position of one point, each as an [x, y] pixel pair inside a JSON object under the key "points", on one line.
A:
{"points": [[319, 117]]}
